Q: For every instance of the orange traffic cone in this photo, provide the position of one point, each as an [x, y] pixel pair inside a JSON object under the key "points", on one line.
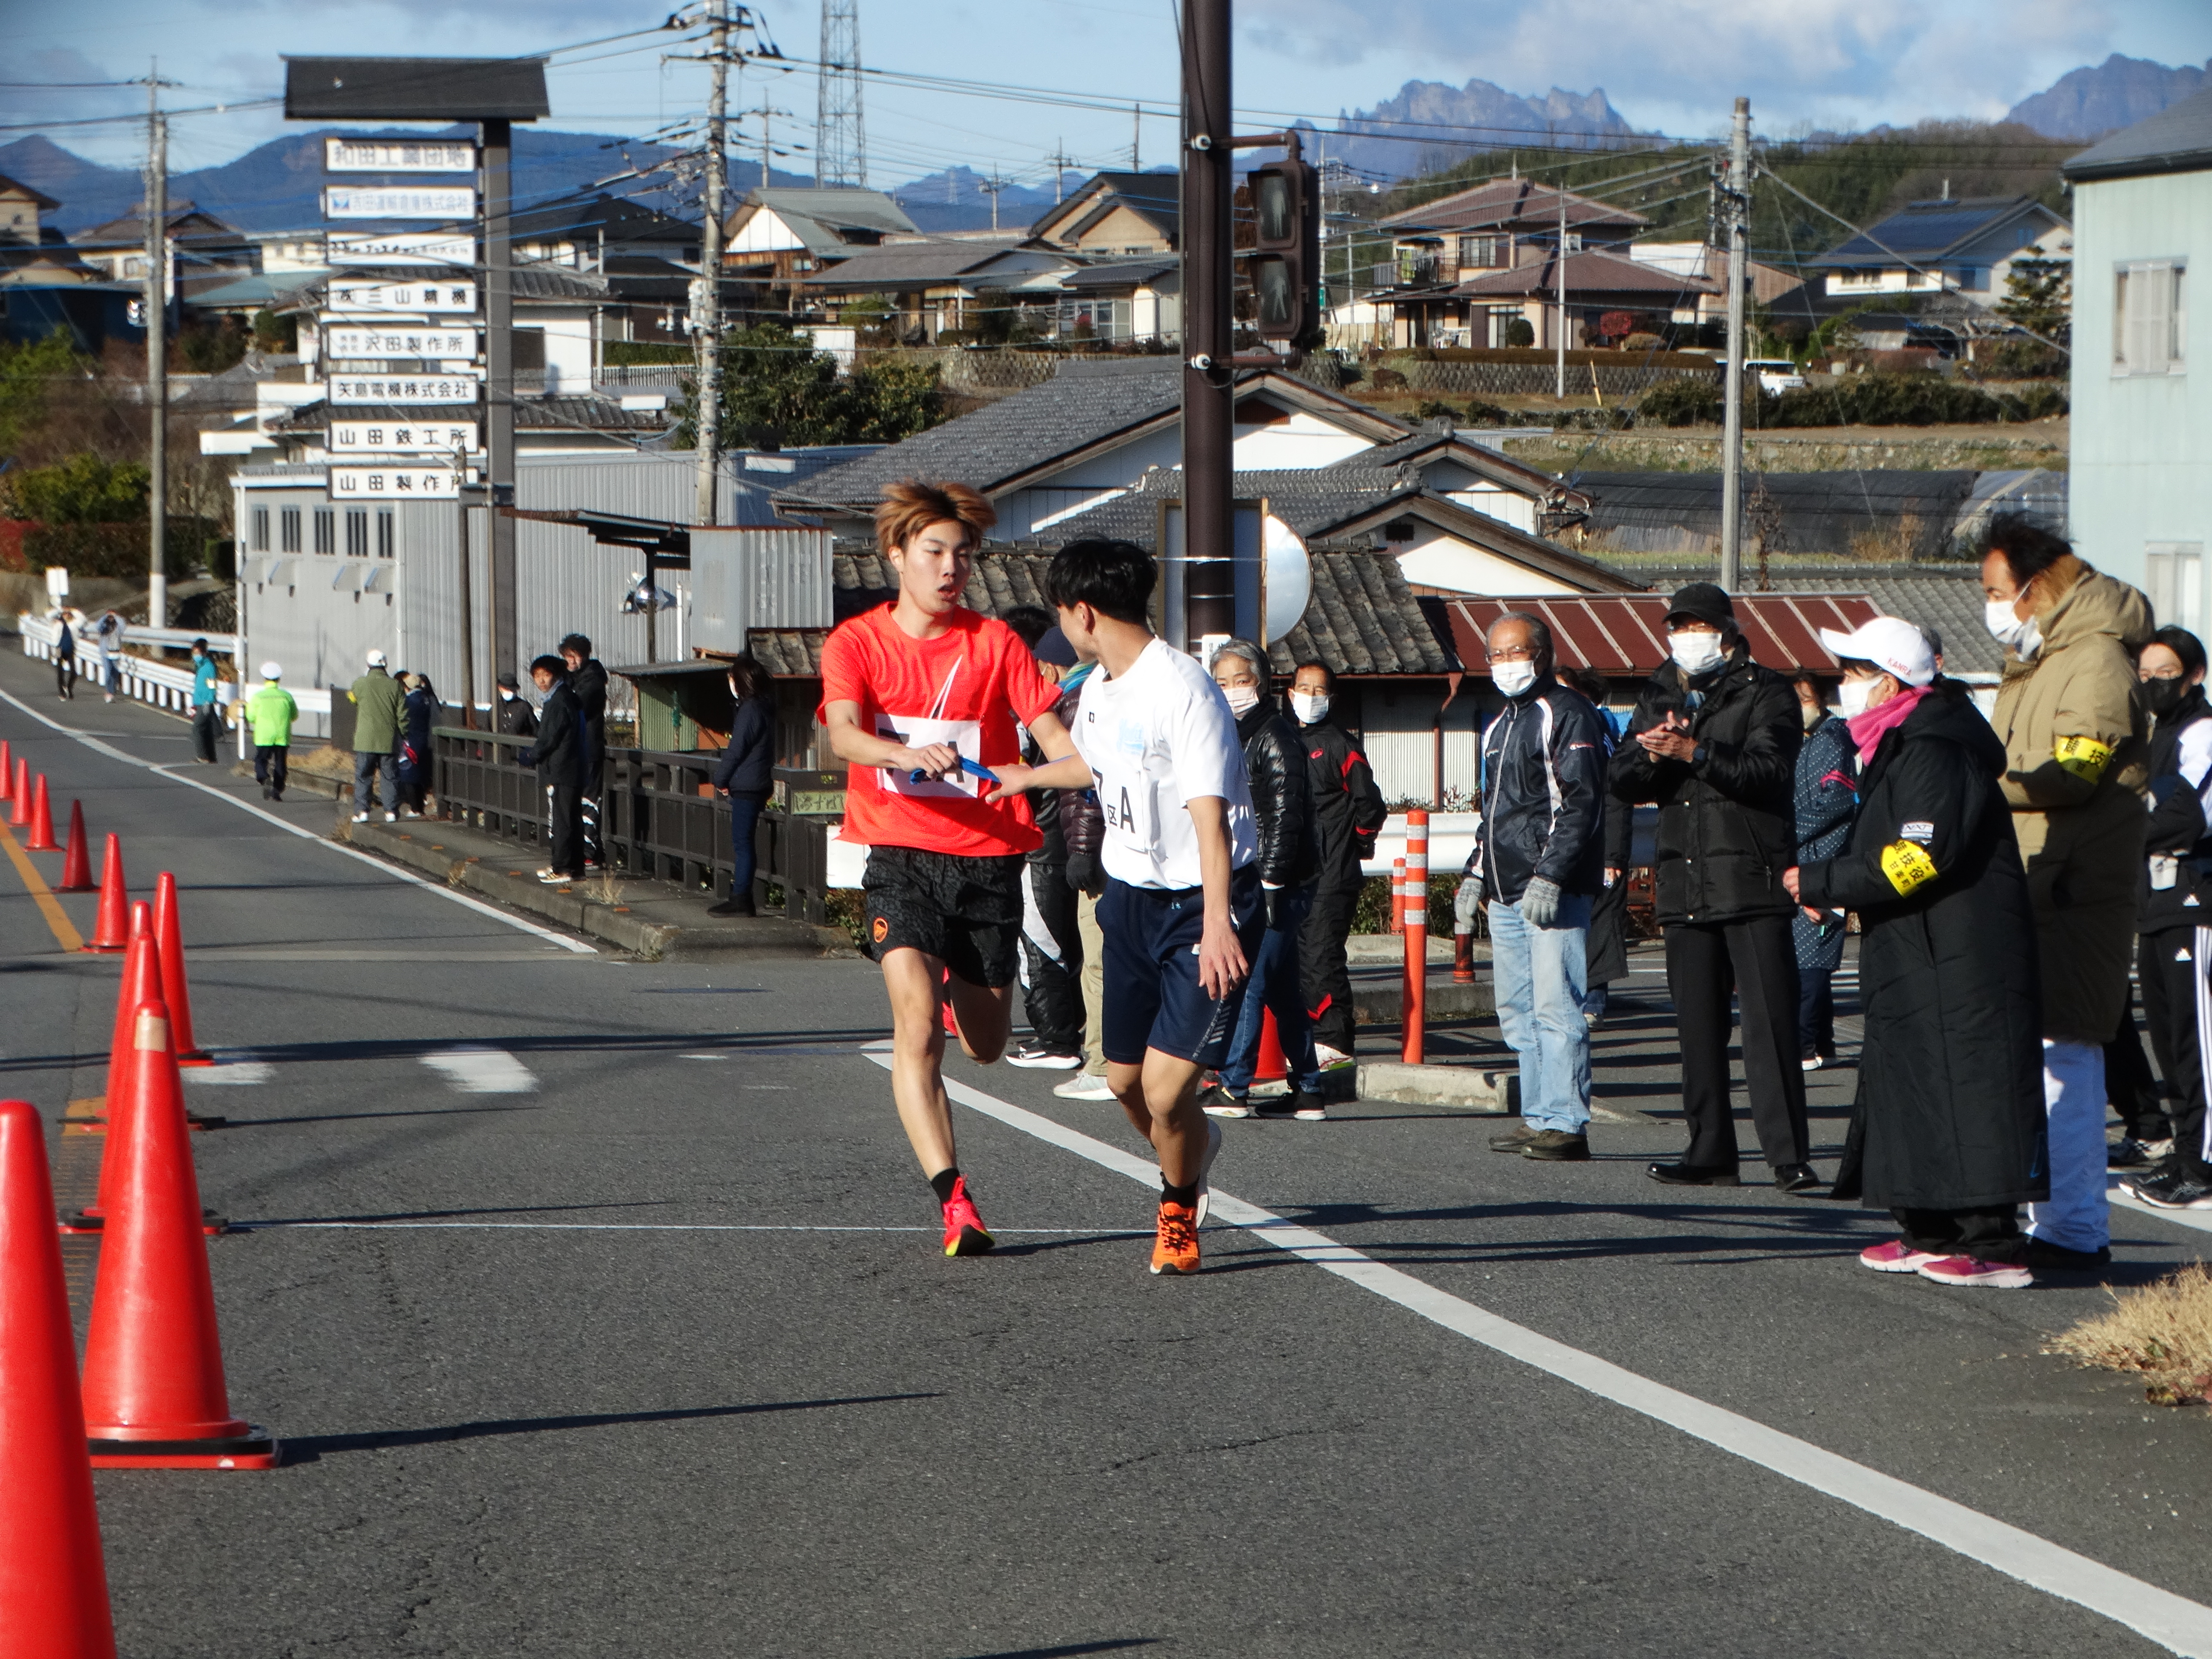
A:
{"points": [[107, 932], [76, 863], [1271, 1067], [19, 797], [52, 1581], [42, 821], [142, 978], [154, 1390], [7, 762], [168, 932]]}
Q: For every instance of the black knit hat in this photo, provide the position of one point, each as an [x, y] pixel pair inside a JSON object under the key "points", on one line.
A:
{"points": [[1703, 601]]}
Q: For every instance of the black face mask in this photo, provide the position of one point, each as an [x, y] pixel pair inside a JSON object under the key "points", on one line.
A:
{"points": [[2162, 697]]}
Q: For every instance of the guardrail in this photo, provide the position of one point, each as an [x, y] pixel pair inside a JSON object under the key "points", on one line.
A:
{"points": [[658, 819], [159, 684]]}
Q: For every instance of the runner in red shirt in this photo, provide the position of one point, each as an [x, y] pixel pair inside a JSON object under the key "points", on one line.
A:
{"points": [[910, 690]]}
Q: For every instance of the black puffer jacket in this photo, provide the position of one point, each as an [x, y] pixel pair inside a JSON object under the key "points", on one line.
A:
{"points": [[1543, 802], [1282, 796], [2176, 829], [1348, 809], [748, 762], [559, 749], [1727, 820], [588, 686]]}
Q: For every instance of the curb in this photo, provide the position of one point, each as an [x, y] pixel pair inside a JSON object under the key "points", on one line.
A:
{"points": [[1385, 1004], [1464, 1088], [654, 941]]}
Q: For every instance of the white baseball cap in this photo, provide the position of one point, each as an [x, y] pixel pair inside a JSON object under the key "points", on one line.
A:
{"points": [[1892, 644], [376, 659], [270, 671]]}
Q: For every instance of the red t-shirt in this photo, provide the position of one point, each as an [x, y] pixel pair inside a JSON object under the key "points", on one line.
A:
{"points": [[966, 687]]}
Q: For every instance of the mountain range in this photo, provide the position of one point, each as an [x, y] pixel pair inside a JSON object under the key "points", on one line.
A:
{"points": [[1430, 125], [2087, 103]]}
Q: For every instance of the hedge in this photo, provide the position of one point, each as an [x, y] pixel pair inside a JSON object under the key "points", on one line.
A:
{"points": [[1858, 400]]}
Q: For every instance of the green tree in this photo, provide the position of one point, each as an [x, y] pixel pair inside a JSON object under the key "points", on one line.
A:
{"points": [[778, 392], [83, 490], [2039, 297], [27, 372]]}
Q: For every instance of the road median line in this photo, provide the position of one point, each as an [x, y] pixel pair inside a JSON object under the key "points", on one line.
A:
{"points": [[57, 922]]}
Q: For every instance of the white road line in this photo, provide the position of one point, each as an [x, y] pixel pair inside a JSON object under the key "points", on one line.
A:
{"points": [[651, 1227], [2173, 1622], [237, 1071], [162, 770], [482, 1071], [2200, 1219]]}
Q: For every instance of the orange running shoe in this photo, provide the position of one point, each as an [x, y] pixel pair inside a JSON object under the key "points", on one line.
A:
{"points": [[964, 1233], [1175, 1249]]}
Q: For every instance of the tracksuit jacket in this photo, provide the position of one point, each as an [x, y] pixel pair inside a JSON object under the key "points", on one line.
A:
{"points": [[1543, 813]]}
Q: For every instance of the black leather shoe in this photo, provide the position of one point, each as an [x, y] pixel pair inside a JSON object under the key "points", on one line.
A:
{"points": [[1795, 1177], [1513, 1139], [2042, 1253], [1558, 1146], [741, 906], [1683, 1175]]}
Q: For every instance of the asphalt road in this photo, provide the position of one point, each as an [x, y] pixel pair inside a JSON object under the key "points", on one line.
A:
{"points": [[600, 1306]]}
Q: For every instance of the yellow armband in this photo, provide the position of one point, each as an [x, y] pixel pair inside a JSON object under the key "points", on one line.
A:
{"points": [[2085, 757], [1907, 867]]}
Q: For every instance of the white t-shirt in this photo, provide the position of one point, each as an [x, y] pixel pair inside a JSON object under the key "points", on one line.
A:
{"points": [[1157, 738]]}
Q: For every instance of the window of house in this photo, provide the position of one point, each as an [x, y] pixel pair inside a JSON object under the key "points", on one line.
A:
{"points": [[326, 530], [289, 525], [260, 530], [2174, 582], [2150, 317], [1486, 252], [357, 533], [384, 536]]}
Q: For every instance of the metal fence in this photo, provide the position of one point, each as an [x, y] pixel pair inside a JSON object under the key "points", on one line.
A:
{"points": [[660, 818]]}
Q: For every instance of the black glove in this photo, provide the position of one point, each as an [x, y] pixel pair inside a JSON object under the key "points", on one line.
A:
{"points": [[1084, 874], [1275, 902]]}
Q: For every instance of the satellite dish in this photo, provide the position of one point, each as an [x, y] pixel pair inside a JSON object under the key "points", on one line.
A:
{"points": [[1290, 577]]}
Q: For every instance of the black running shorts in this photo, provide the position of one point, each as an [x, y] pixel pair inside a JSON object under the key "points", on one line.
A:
{"points": [[965, 911]]}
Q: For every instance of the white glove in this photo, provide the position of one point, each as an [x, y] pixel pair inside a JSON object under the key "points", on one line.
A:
{"points": [[1467, 904], [1539, 902]]}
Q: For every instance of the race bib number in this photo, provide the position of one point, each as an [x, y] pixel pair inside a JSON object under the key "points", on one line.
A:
{"points": [[918, 731], [2085, 757], [1907, 867]]}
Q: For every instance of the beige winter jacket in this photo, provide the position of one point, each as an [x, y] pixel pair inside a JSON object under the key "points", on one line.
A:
{"points": [[2075, 768]]}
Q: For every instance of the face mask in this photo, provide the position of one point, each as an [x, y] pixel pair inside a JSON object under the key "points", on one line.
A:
{"points": [[1851, 697], [2163, 696], [1694, 654], [2006, 629], [1242, 699], [1513, 678], [1309, 706], [1812, 717]]}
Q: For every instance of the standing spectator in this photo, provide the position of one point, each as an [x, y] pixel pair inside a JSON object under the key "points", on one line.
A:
{"points": [[1052, 939], [746, 775], [270, 713], [2176, 927], [1714, 742], [2076, 759], [560, 742], [587, 684], [418, 714], [1348, 813], [517, 719], [1282, 814], [1827, 798], [207, 715], [1083, 828], [378, 703], [1949, 1073], [66, 655], [107, 645], [1539, 860], [1608, 925]]}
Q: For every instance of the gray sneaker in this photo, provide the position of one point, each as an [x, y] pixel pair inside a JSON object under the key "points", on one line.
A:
{"points": [[1558, 1146]]}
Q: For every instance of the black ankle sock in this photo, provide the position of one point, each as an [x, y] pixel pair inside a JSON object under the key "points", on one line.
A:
{"points": [[1186, 1196], [942, 1183]]}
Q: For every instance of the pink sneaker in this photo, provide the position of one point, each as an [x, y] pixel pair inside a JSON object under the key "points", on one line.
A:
{"points": [[1894, 1257], [1966, 1270]]}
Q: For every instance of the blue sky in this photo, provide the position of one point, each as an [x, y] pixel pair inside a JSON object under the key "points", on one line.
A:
{"points": [[1668, 65]]}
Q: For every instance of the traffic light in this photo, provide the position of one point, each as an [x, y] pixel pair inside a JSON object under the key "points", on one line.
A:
{"points": [[1286, 266]]}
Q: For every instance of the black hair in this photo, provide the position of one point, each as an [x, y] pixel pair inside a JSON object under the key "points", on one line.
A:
{"points": [[1031, 622], [1592, 685], [551, 663], [2027, 547], [579, 644], [2183, 645], [200, 644], [1114, 578], [1327, 674], [752, 679]]}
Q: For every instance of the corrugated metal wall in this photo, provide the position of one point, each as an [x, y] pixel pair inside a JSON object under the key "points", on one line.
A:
{"points": [[1399, 742]]}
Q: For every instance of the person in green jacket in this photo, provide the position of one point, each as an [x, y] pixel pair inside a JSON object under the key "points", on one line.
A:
{"points": [[270, 712], [377, 698]]}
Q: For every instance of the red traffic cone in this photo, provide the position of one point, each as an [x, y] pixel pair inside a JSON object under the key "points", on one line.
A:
{"points": [[1271, 1067], [19, 797], [42, 821], [154, 1390], [168, 931], [142, 978], [7, 765], [107, 932], [76, 863], [52, 1581]]}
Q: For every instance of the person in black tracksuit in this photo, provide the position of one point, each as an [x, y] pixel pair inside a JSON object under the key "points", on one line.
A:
{"points": [[517, 719], [746, 775], [1052, 943], [1348, 813], [587, 684], [2176, 928], [558, 755], [1714, 742]]}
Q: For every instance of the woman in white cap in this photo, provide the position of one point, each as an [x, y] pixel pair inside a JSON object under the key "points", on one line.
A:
{"points": [[1951, 1071], [270, 712]]}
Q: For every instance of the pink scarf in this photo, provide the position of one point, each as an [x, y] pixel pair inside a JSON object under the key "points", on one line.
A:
{"points": [[1867, 728]]}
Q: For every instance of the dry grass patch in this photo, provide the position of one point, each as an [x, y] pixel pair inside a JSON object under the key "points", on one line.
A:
{"points": [[602, 888], [2162, 1333]]}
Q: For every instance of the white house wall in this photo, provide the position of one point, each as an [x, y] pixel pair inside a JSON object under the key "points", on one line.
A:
{"points": [[1504, 505], [1434, 559], [1303, 441], [765, 233]]}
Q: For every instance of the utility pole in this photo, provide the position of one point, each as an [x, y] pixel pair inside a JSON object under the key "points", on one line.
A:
{"points": [[1137, 129], [706, 288], [497, 138], [157, 355], [1561, 273], [1735, 201], [991, 187], [1209, 380], [1060, 159]]}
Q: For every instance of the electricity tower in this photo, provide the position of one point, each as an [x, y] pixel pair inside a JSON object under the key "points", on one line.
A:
{"points": [[840, 136]]}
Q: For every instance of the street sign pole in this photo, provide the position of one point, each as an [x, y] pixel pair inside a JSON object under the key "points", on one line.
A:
{"points": [[1209, 380], [499, 375]]}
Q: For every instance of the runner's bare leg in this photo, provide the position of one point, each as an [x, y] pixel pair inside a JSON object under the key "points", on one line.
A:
{"points": [[911, 978], [1161, 1099]]}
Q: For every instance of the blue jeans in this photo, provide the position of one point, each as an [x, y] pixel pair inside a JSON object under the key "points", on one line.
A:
{"points": [[1273, 985], [745, 813], [1540, 977]]}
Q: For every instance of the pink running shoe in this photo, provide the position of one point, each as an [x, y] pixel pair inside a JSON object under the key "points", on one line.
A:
{"points": [[1966, 1270], [1895, 1257]]}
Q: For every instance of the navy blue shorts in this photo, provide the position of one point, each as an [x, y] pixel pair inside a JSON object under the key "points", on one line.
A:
{"points": [[1153, 998]]}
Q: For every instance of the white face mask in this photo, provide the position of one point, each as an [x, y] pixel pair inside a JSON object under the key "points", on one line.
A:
{"points": [[2022, 635], [1694, 654], [1851, 697], [1242, 699], [1513, 678], [1309, 706]]}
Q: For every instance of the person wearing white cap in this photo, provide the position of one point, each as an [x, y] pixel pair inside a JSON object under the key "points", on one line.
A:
{"points": [[1951, 1070], [377, 701], [270, 712]]}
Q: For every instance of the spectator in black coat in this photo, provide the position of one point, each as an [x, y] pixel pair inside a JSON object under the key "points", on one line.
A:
{"points": [[517, 719], [1348, 813], [556, 755], [746, 775], [1714, 742], [1052, 935], [419, 713], [587, 684]]}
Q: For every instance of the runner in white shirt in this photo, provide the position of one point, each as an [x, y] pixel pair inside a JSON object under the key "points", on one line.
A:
{"points": [[1182, 911]]}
